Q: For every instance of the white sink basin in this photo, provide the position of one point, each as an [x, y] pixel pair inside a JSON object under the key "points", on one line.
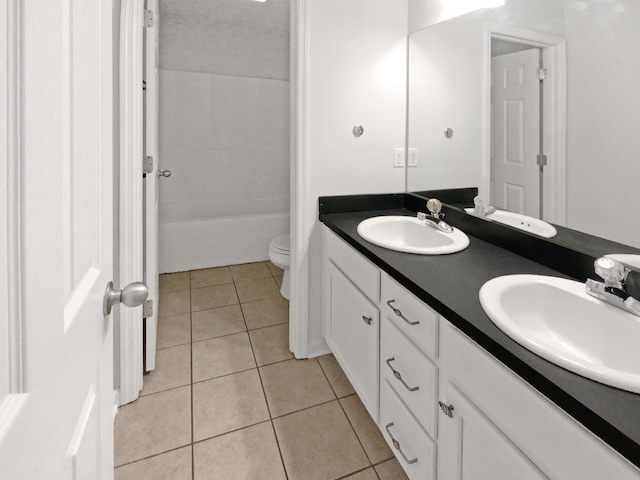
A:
{"points": [[408, 234], [522, 222], [556, 319]]}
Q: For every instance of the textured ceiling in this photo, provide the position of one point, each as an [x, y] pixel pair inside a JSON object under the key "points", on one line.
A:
{"points": [[229, 37]]}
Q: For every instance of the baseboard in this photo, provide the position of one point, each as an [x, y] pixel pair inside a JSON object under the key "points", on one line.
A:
{"points": [[218, 241], [317, 348]]}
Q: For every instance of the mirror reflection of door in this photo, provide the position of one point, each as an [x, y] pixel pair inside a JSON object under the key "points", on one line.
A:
{"points": [[515, 176]]}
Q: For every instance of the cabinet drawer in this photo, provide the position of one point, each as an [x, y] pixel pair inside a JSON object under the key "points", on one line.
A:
{"points": [[353, 337], [411, 315], [357, 268], [415, 450], [411, 374]]}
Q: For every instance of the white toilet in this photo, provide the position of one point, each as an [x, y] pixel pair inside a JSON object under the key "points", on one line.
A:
{"points": [[280, 256]]}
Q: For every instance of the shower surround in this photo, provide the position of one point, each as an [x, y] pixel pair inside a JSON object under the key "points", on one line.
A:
{"points": [[224, 131]]}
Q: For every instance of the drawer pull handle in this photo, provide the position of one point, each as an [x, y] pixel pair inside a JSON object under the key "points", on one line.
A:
{"points": [[396, 444], [367, 320], [399, 313], [397, 374], [447, 409]]}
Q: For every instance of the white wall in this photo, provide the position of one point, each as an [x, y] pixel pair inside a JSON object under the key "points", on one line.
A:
{"points": [[603, 161], [224, 131], [355, 74], [444, 95]]}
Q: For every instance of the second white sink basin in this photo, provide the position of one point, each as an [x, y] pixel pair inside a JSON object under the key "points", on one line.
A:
{"points": [[410, 235], [556, 319], [522, 222]]}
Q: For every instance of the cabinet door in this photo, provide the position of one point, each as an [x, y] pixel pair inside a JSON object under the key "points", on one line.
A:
{"points": [[470, 447], [353, 337]]}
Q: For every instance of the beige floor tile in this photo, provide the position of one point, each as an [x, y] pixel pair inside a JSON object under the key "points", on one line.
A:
{"points": [[221, 356], [228, 403], [217, 322], [338, 380], [368, 474], [174, 465], [391, 470], [174, 282], [366, 430], [153, 424], [261, 289], [174, 330], [275, 271], [319, 444], [250, 271], [265, 313], [293, 385], [174, 303], [211, 276], [278, 279], [173, 369], [271, 344], [247, 454], [213, 297]]}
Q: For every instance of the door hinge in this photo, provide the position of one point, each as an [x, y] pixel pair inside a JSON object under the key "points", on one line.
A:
{"points": [[541, 73], [147, 165], [149, 18], [542, 160], [147, 309]]}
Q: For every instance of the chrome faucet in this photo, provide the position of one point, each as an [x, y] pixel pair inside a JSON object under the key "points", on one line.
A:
{"points": [[482, 207], [434, 218], [613, 269]]}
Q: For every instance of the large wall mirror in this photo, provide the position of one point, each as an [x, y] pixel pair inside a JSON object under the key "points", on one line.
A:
{"points": [[537, 105]]}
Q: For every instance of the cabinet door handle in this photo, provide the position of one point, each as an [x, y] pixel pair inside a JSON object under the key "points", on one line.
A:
{"points": [[446, 409], [397, 374], [367, 320], [396, 444], [399, 313]]}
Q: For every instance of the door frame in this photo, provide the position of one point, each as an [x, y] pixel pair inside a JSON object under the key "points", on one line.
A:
{"points": [[554, 115], [131, 218], [301, 212], [12, 397]]}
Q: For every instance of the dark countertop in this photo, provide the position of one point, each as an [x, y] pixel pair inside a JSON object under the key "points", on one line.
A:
{"points": [[450, 285]]}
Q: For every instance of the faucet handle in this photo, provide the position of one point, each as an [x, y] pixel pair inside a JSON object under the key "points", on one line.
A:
{"points": [[479, 201], [612, 271], [434, 206]]}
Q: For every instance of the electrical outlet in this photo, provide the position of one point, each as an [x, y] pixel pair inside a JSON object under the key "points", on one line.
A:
{"points": [[398, 157], [413, 157]]}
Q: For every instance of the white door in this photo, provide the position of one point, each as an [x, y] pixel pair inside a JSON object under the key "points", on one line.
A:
{"points": [[151, 181], [56, 410], [515, 92]]}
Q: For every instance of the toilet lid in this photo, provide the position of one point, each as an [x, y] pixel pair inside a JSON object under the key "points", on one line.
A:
{"points": [[281, 243]]}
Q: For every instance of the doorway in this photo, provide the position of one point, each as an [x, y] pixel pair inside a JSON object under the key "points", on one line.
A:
{"points": [[527, 123]]}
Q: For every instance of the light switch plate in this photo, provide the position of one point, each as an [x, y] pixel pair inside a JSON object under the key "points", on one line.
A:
{"points": [[398, 157], [413, 157]]}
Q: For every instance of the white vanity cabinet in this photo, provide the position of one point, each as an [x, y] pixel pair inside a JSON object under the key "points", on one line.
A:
{"points": [[448, 409], [502, 429], [352, 286]]}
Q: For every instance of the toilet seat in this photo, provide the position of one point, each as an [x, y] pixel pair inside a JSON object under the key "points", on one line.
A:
{"points": [[280, 244]]}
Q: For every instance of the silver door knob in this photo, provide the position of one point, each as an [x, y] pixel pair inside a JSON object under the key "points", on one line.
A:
{"points": [[164, 173], [132, 295]]}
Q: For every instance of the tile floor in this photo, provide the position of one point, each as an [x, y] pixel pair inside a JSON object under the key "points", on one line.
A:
{"points": [[228, 400]]}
